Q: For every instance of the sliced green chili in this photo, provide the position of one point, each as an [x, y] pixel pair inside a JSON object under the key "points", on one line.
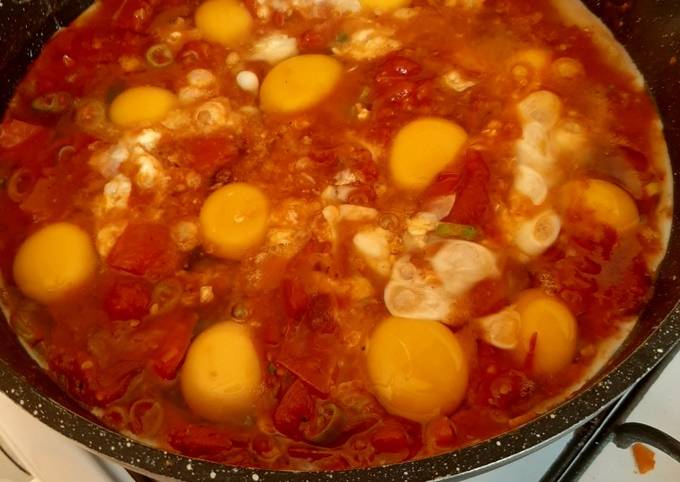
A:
{"points": [[326, 426], [342, 37], [159, 55], [166, 295], [459, 231], [54, 103], [239, 311]]}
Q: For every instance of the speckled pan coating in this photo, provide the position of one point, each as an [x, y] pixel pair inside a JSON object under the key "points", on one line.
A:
{"points": [[650, 31]]}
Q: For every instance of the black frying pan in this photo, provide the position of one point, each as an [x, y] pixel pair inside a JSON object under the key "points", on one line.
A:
{"points": [[650, 30]]}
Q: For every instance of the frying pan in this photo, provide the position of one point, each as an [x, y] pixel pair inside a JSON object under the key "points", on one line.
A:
{"points": [[650, 30]]}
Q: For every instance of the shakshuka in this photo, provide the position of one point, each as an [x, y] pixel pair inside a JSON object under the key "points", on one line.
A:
{"points": [[328, 234]]}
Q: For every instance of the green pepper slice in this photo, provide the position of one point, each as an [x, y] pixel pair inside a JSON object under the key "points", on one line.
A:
{"points": [[459, 231]]}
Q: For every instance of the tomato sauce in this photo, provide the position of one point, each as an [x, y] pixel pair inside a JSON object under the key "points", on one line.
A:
{"points": [[311, 301]]}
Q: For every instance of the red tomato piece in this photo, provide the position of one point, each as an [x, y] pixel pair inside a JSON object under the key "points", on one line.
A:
{"points": [[472, 197], [395, 67], [444, 184], [317, 38], [399, 84], [208, 154], [262, 444], [319, 314], [145, 249], [13, 223], [172, 333], [134, 15], [400, 92], [441, 431], [15, 132], [487, 296], [390, 438], [295, 407], [78, 373], [311, 354], [199, 441], [127, 299], [635, 158], [295, 298]]}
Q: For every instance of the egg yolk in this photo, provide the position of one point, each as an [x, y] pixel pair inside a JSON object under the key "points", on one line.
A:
{"points": [[417, 368], [233, 220], [221, 376], [226, 22], [422, 148], [383, 5], [548, 333], [139, 106], [54, 261], [298, 83], [608, 203], [537, 59]]}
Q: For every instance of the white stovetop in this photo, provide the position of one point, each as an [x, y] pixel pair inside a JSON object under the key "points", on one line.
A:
{"points": [[51, 457]]}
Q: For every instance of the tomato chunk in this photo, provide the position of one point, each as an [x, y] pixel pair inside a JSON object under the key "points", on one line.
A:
{"points": [[444, 184], [145, 249], [207, 155], [472, 197], [199, 441], [15, 132], [390, 438], [170, 336], [310, 355], [127, 299], [396, 67], [295, 298], [134, 15], [78, 373], [295, 407], [441, 432]]}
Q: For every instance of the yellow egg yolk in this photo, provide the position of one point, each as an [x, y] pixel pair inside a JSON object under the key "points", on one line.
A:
{"points": [[221, 376], [234, 219], [417, 367], [140, 106], [298, 83], [422, 148], [606, 202], [54, 261], [535, 58], [383, 5], [227, 22], [548, 333]]}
